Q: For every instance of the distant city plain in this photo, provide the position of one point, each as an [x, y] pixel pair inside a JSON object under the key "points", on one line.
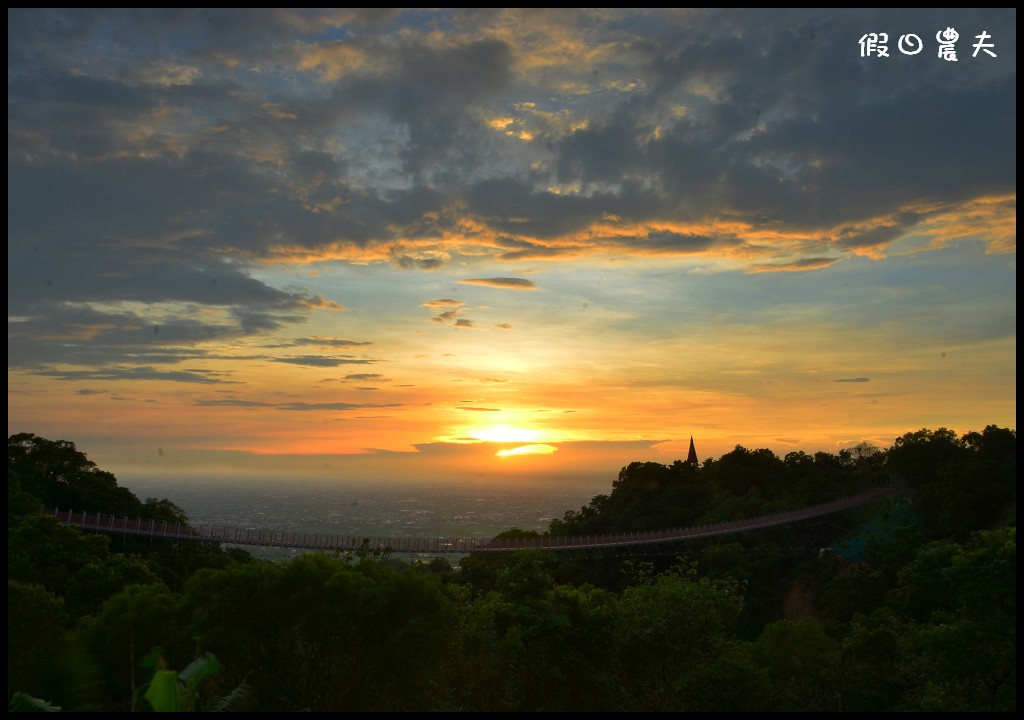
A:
{"points": [[366, 509]]}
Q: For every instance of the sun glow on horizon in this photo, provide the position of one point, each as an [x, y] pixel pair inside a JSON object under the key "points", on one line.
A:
{"points": [[505, 434], [537, 449]]}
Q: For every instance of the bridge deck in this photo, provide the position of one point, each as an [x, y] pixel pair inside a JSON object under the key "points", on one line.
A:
{"points": [[314, 541]]}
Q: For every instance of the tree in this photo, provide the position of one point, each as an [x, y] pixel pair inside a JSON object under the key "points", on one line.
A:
{"points": [[164, 510], [43, 551], [745, 471], [124, 633], [668, 630], [959, 484], [530, 644], [173, 691], [960, 653], [801, 663], [870, 678], [60, 476], [321, 633], [35, 632]]}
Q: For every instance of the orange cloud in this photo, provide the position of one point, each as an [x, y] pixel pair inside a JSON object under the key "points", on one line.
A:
{"points": [[503, 283]]}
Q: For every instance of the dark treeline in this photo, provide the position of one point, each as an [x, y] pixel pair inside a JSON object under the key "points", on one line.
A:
{"points": [[907, 604]]}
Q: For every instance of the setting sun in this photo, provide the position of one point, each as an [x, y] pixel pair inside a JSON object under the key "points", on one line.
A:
{"points": [[505, 433]]}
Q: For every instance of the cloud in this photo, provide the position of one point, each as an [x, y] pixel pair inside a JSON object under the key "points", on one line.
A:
{"points": [[442, 303], [329, 342], [202, 377], [430, 261], [503, 283], [293, 406], [853, 380], [320, 342], [802, 265], [232, 403], [449, 316], [413, 163], [480, 409], [321, 361], [300, 406]]}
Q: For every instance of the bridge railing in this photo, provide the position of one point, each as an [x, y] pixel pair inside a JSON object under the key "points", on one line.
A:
{"points": [[113, 524]]}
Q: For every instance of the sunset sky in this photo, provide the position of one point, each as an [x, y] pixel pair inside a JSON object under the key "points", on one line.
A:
{"points": [[404, 243]]}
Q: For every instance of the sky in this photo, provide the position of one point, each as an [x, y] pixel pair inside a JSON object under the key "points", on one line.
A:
{"points": [[493, 244]]}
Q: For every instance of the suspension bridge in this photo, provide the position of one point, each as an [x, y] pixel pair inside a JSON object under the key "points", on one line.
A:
{"points": [[157, 529]]}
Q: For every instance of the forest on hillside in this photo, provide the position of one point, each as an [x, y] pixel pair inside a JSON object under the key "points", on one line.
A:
{"points": [[907, 604]]}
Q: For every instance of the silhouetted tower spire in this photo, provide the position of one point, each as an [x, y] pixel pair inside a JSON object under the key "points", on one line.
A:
{"points": [[691, 457]]}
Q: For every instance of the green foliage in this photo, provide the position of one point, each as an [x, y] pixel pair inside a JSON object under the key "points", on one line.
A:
{"points": [[96, 582], [172, 691], [741, 470], [43, 551], [75, 564], [163, 510], [800, 663], [667, 632], [22, 702], [164, 694], [869, 674], [530, 644], [59, 475], [515, 533], [646, 496], [959, 484], [322, 633], [857, 589], [35, 633], [121, 636], [524, 578], [20, 502], [961, 601]]}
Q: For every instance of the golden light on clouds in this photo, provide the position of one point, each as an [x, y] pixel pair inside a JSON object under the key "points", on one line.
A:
{"points": [[331, 61], [993, 220], [504, 434], [501, 123], [537, 449]]}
